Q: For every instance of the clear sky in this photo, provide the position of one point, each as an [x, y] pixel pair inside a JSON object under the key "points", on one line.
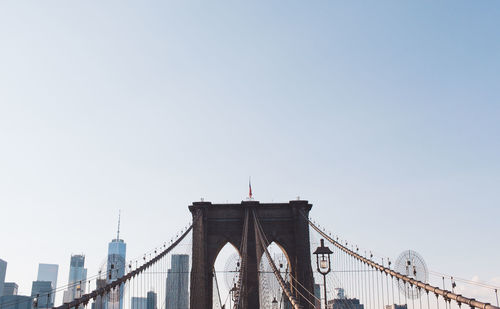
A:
{"points": [[383, 114]]}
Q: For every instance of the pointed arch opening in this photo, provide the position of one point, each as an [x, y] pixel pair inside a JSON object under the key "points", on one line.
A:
{"points": [[268, 284], [226, 270]]}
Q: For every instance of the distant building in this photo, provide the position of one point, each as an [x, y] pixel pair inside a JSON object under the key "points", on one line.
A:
{"points": [[10, 288], [317, 295], [48, 272], [77, 278], [395, 306], [341, 302], [345, 303], [177, 283], [42, 290], [152, 300], [115, 269], [339, 293], [99, 302], [3, 271], [15, 302], [139, 303]]}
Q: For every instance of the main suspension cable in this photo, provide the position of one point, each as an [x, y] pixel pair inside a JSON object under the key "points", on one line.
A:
{"points": [[407, 280]]}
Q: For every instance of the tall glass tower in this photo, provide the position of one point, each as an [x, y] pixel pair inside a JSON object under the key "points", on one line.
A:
{"points": [[48, 272], [116, 269], [152, 299], [77, 278], [178, 283], [3, 271]]}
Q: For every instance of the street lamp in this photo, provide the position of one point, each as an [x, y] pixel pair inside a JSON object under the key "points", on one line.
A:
{"points": [[323, 263], [233, 291], [274, 304]]}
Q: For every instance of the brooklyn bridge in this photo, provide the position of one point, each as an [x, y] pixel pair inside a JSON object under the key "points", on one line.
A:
{"points": [[313, 268]]}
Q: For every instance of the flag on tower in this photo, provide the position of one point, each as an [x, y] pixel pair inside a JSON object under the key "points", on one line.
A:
{"points": [[249, 189]]}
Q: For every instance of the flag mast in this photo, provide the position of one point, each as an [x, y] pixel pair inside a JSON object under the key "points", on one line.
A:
{"points": [[250, 195]]}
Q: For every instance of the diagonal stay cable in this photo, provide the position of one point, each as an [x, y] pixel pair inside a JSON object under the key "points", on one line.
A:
{"points": [[304, 297], [242, 272], [263, 244], [217, 285], [301, 285], [266, 242]]}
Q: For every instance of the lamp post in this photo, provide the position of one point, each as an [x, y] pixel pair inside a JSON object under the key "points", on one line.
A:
{"points": [[233, 292], [323, 263]]}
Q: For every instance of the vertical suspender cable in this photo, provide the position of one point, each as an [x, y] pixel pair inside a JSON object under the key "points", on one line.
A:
{"points": [[363, 266], [378, 293], [412, 298], [420, 297], [392, 284], [375, 303], [382, 286], [428, 301], [399, 292]]}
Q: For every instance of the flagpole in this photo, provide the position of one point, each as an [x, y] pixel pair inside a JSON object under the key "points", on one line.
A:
{"points": [[250, 195]]}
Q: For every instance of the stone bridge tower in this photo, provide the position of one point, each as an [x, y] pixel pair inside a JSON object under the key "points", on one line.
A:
{"points": [[214, 225]]}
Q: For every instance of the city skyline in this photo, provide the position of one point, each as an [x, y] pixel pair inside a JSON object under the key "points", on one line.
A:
{"points": [[46, 271]]}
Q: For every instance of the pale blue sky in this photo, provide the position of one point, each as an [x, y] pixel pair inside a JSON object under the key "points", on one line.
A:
{"points": [[383, 114]]}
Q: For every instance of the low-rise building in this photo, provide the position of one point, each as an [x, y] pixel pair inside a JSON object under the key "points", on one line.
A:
{"points": [[10, 288]]}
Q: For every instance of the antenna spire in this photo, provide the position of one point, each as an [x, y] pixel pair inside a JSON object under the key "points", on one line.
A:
{"points": [[118, 232]]}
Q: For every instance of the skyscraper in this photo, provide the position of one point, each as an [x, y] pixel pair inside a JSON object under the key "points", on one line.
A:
{"points": [[177, 283], [77, 278], [152, 299], [48, 272], [139, 302], [10, 288], [3, 271], [42, 290], [116, 269]]}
